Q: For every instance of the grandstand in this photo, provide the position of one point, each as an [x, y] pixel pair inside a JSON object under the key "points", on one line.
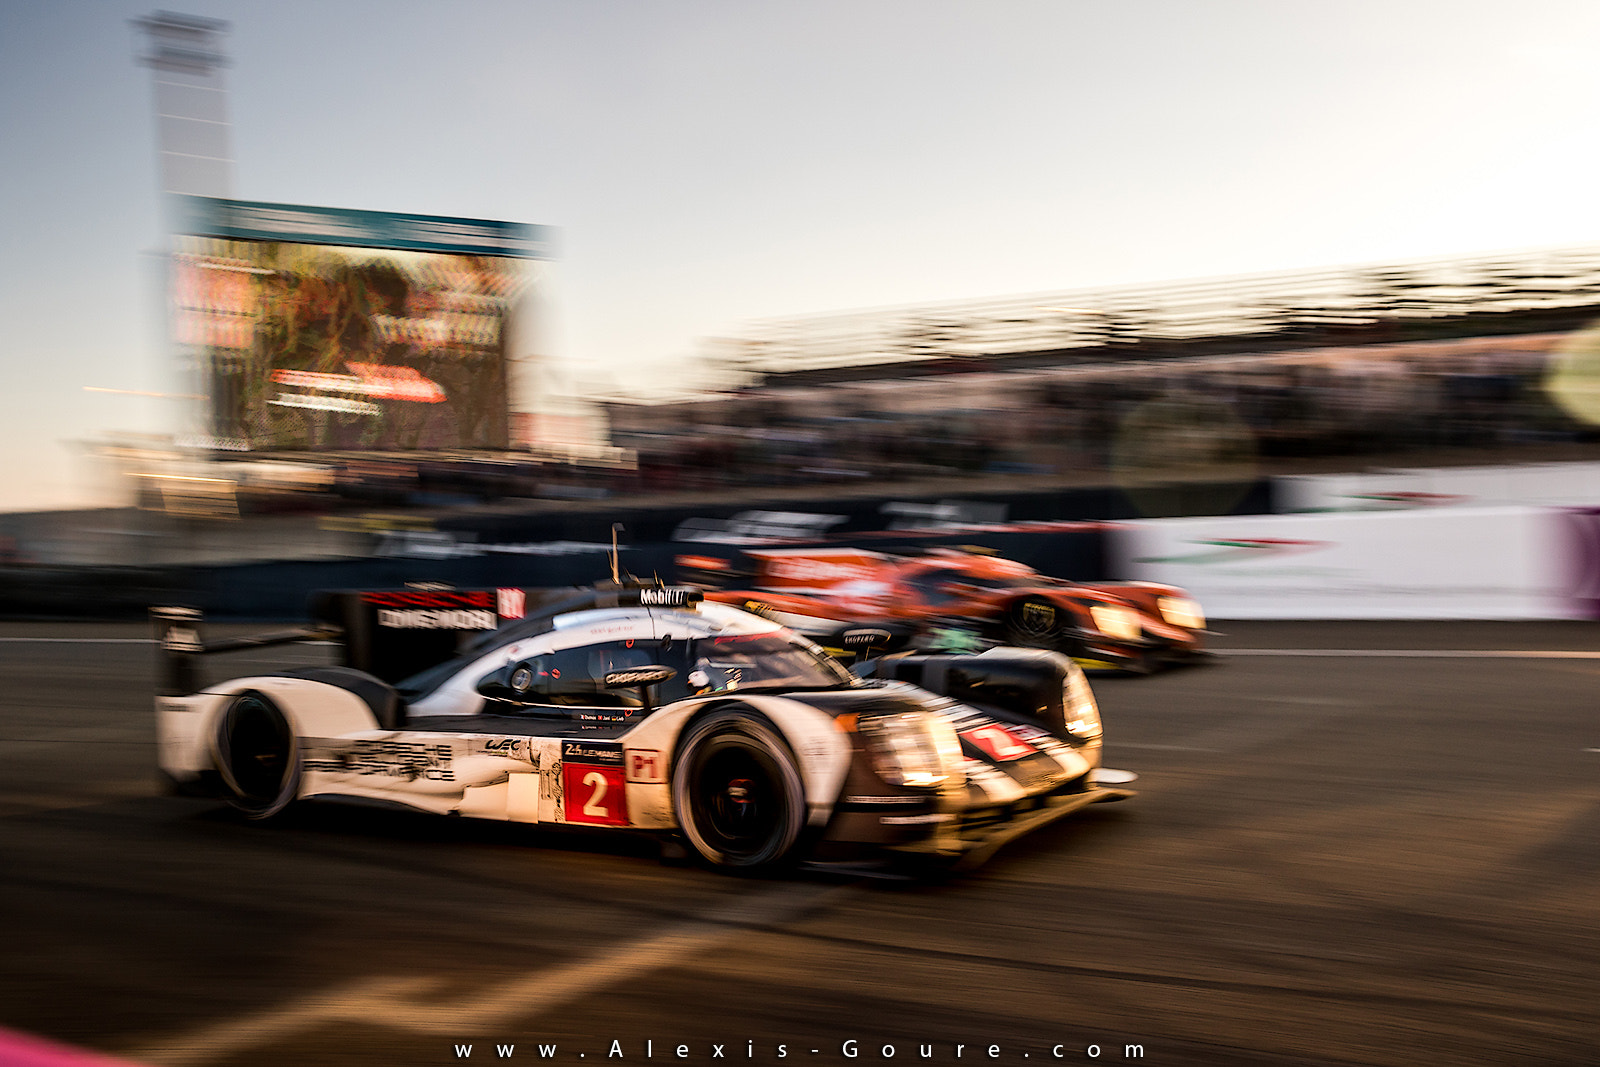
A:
{"points": [[1540, 291], [1176, 381]]}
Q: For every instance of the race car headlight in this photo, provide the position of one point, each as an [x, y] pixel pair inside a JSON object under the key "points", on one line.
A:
{"points": [[913, 748], [1181, 611], [1080, 714], [1116, 621]]}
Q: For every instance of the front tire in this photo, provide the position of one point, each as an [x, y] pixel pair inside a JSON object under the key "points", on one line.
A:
{"points": [[738, 794], [257, 756]]}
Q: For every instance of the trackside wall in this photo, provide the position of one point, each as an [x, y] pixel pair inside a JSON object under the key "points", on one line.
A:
{"points": [[1513, 562], [1538, 484]]}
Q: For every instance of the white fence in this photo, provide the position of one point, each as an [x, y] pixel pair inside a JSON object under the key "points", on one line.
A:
{"points": [[1513, 562], [1547, 484]]}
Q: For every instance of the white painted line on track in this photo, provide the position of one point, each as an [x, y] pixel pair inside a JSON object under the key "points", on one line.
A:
{"points": [[1416, 653], [412, 1003], [77, 640], [122, 641]]}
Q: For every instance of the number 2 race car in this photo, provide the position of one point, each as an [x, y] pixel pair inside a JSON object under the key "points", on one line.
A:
{"points": [[638, 708]]}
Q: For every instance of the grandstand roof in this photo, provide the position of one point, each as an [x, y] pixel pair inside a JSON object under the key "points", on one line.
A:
{"points": [[1516, 292]]}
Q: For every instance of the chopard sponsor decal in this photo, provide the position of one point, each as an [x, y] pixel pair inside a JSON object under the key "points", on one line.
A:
{"points": [[637, 676]]}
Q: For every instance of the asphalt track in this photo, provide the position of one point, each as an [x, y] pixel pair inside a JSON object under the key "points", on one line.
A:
{"points": [[1336, 858]]}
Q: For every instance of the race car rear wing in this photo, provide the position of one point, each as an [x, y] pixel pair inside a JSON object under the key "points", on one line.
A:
{"points": [[388, 633], [179, 646], [395, 633]]}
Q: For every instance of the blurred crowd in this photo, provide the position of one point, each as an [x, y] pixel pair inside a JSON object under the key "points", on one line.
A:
{"points": [[1081, 421], [1106, 423]]}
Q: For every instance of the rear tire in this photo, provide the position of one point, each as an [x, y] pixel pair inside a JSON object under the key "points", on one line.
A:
{"points": [[257, 756], [737, 792]]}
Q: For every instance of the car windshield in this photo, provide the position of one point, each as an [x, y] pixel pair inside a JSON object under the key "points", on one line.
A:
{"points": [[737, 661], [760, 661], [937, 586]]}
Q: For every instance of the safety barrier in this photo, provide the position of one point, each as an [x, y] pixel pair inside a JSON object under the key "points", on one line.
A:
{"points": [[1427, 563]]}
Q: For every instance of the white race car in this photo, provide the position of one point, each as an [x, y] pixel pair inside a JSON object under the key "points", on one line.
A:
{"points": [[639, 708]]}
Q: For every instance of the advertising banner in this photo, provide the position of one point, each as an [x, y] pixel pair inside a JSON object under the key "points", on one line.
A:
{"points": [[1438, 563], [324, 328], [1547, 484]]}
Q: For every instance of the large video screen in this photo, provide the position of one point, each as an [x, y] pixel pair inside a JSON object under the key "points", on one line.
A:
{"points": [[328, 329]]}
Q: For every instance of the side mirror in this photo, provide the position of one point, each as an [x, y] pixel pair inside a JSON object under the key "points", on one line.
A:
{"points": [[538, 681], [507, 683]]}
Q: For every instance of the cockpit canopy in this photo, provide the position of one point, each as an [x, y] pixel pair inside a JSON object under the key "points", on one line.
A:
{"points": [[620, 673]]}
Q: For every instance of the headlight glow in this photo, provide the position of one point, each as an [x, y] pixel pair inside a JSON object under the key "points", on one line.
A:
{"points": [[1081, 713], [1181, 611], [914, 748], [1115, 620]]}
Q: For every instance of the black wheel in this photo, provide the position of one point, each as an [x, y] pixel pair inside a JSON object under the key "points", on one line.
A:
{"points": [[1035, 622], [255, 753], [737, 792]]}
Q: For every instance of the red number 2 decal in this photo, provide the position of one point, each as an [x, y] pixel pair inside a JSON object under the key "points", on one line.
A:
{"points": [[594, 794]]}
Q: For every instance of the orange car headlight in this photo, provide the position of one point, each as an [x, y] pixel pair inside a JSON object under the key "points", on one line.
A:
{"points": [[1181, 611], [1116, 621]]}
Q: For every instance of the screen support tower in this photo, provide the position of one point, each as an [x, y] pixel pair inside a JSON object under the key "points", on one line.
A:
{"points": [[193, 134], [194, 143]]}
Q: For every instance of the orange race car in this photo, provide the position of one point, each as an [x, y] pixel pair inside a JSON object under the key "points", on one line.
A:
{"points": [[956, 598]]}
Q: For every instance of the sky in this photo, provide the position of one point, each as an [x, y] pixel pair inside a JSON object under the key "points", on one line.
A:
{"points": [[712, 162]]}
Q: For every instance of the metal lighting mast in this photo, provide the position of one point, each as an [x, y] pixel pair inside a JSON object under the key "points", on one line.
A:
{"points": [[193, 135], [194, 144]]}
